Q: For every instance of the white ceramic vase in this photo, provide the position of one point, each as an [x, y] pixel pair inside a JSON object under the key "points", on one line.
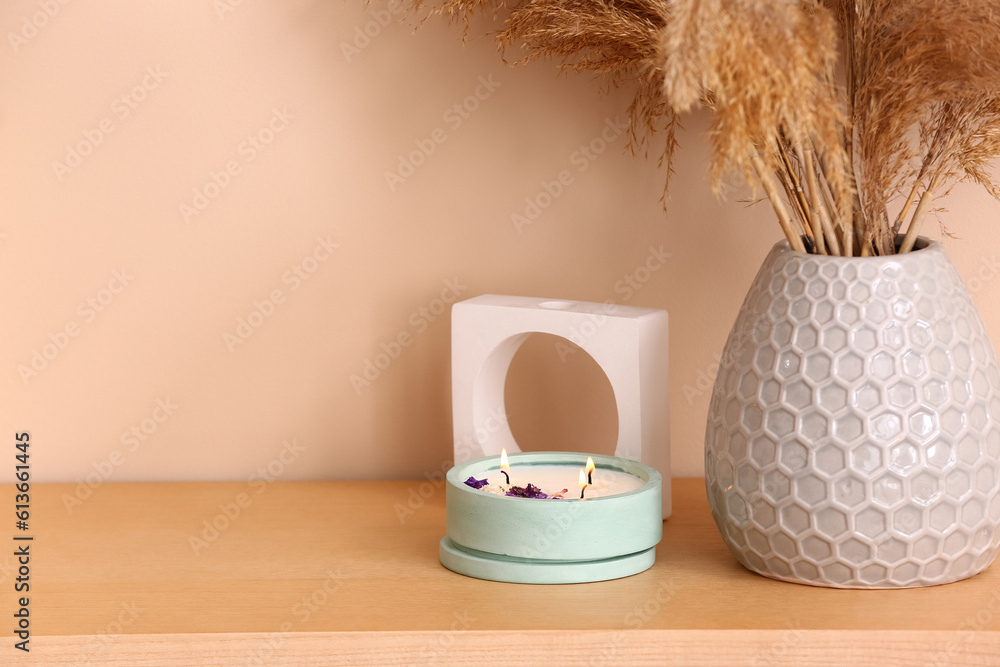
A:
{"points": [[853, 435]]}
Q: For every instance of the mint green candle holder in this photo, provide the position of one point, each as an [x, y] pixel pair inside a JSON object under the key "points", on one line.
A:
{"points": [[551, 541]]}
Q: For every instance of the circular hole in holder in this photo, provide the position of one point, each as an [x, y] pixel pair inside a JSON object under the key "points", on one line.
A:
{"points": [[559, 399], [557, 305]]}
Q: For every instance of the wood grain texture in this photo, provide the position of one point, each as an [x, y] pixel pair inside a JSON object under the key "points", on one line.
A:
{"points": [[652, 648], [349, 572]]}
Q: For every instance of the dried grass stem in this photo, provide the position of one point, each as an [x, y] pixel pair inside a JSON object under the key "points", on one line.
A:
{"points": [[914, 90]]}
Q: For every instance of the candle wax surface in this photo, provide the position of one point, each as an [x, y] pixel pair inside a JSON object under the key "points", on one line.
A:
{"points": [[552, 479]]}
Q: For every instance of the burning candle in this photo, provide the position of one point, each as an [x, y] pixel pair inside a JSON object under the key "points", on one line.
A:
{"points": [[610, 532], [505, 465], [590, 469], [554, 480]]}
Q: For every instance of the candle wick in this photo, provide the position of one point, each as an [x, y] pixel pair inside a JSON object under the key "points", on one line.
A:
{"points": [[590, 477], [506, 476], [581, 492]]}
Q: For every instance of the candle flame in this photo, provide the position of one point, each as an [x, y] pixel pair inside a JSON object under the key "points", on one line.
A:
{"points": [[590, 465], [583, 479], [504, 463]]}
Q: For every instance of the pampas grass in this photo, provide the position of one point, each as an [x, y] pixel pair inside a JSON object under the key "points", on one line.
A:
{"points": [[838, 110]]}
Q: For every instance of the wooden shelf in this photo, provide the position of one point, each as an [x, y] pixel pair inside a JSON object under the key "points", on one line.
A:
{"points": [[348, 572]]}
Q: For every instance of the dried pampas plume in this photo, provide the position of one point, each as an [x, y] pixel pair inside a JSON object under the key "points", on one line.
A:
{"points": [[927, 66], [617, 39], [620, 40], [765, 69], [918, 108]]}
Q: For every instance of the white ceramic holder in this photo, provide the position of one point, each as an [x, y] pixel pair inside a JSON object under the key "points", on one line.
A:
{"points": [[629, 344]]}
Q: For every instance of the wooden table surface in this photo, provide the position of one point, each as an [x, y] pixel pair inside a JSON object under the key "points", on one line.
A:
{"points": [[348, 573]]}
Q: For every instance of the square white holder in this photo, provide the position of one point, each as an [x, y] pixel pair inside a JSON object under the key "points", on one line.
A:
{"points": [[629, 344]]}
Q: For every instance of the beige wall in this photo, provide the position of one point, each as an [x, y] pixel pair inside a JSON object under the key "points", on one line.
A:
{"points": [[137, 299]]}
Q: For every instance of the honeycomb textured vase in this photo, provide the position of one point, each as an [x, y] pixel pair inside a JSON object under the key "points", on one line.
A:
{"points": [[853, 437]]}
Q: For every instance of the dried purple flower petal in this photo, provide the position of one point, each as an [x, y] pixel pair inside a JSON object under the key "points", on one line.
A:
{"points": [[530, 491], [476, 483]]}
